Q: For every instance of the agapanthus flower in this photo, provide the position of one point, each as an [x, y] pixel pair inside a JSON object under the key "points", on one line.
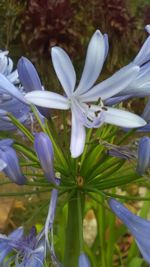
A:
{"points": [[9, 157], [12, 98], [30, 80], [7, 102], [85, 114], [139, 227], [26, 250], [140, 86], [6, 67], [44, 150]]}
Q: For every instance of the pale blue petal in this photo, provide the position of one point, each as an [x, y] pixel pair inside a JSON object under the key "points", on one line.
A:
{"points": [[28, 75], [78, 136], [44, 150], [64, 69], [48, 99], [13, 77], [144, 54], [93, 64], [123, 118], [12, 170], [139, 227], [9, 88], [147, 28], [2, 165], [113, 85], [83, 261]]}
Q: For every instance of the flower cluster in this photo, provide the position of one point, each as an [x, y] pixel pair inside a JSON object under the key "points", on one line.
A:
{"points": [[91, 107]]}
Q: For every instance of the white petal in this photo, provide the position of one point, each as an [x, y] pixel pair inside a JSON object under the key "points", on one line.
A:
{"points": [[123, 118], [144, 53], [7, 87], [94, 62], [78, 135], [147, 28], [64, 69], [2, 164], [113, 85], [13, 76], [48, 99]]}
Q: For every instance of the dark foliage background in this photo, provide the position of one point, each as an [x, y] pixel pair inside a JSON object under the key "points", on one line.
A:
{"points": [[32, 27]]}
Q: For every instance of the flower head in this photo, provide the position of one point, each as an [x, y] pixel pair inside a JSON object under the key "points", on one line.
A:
{"points": [[139, 228], [140, 86], [78, 99], [26, 250]]}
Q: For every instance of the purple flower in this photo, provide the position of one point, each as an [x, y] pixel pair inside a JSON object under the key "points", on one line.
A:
{"points": [[140, 85], [44, 150], [9, 157], [26, 250], [78, 98], [139, 227], [6, 243], [6, 67], [30, 80], [143, 155]]}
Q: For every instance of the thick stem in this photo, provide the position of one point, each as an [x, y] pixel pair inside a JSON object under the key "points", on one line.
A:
{"points": [[73, 231], [101, 228]]}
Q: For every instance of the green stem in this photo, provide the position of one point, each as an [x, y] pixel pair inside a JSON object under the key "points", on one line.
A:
{"points": [[111, 240], [74, 238], [101, 228]]}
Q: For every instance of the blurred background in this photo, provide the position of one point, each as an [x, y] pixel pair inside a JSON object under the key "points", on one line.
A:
{"points": [[32, 27]]}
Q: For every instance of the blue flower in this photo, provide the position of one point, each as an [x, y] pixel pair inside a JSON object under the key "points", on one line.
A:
{"points": [[78, 98], [30, 80], [6, 67], [44, 150], [9, 157], [140, 85], [139, 227], [26, 250]]}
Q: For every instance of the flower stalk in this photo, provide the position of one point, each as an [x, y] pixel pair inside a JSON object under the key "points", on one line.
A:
{"points": [[74, 230]]}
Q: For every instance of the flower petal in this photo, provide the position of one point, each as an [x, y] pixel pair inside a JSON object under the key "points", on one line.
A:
{"points": [[12, 170], [44, 150], [2, 165], [64, 69], [28, 75], [9, 88], [139, 227], [144, 54], [94, 62], [48, 99], [113, 85], [123, 118], [78, 136]]}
